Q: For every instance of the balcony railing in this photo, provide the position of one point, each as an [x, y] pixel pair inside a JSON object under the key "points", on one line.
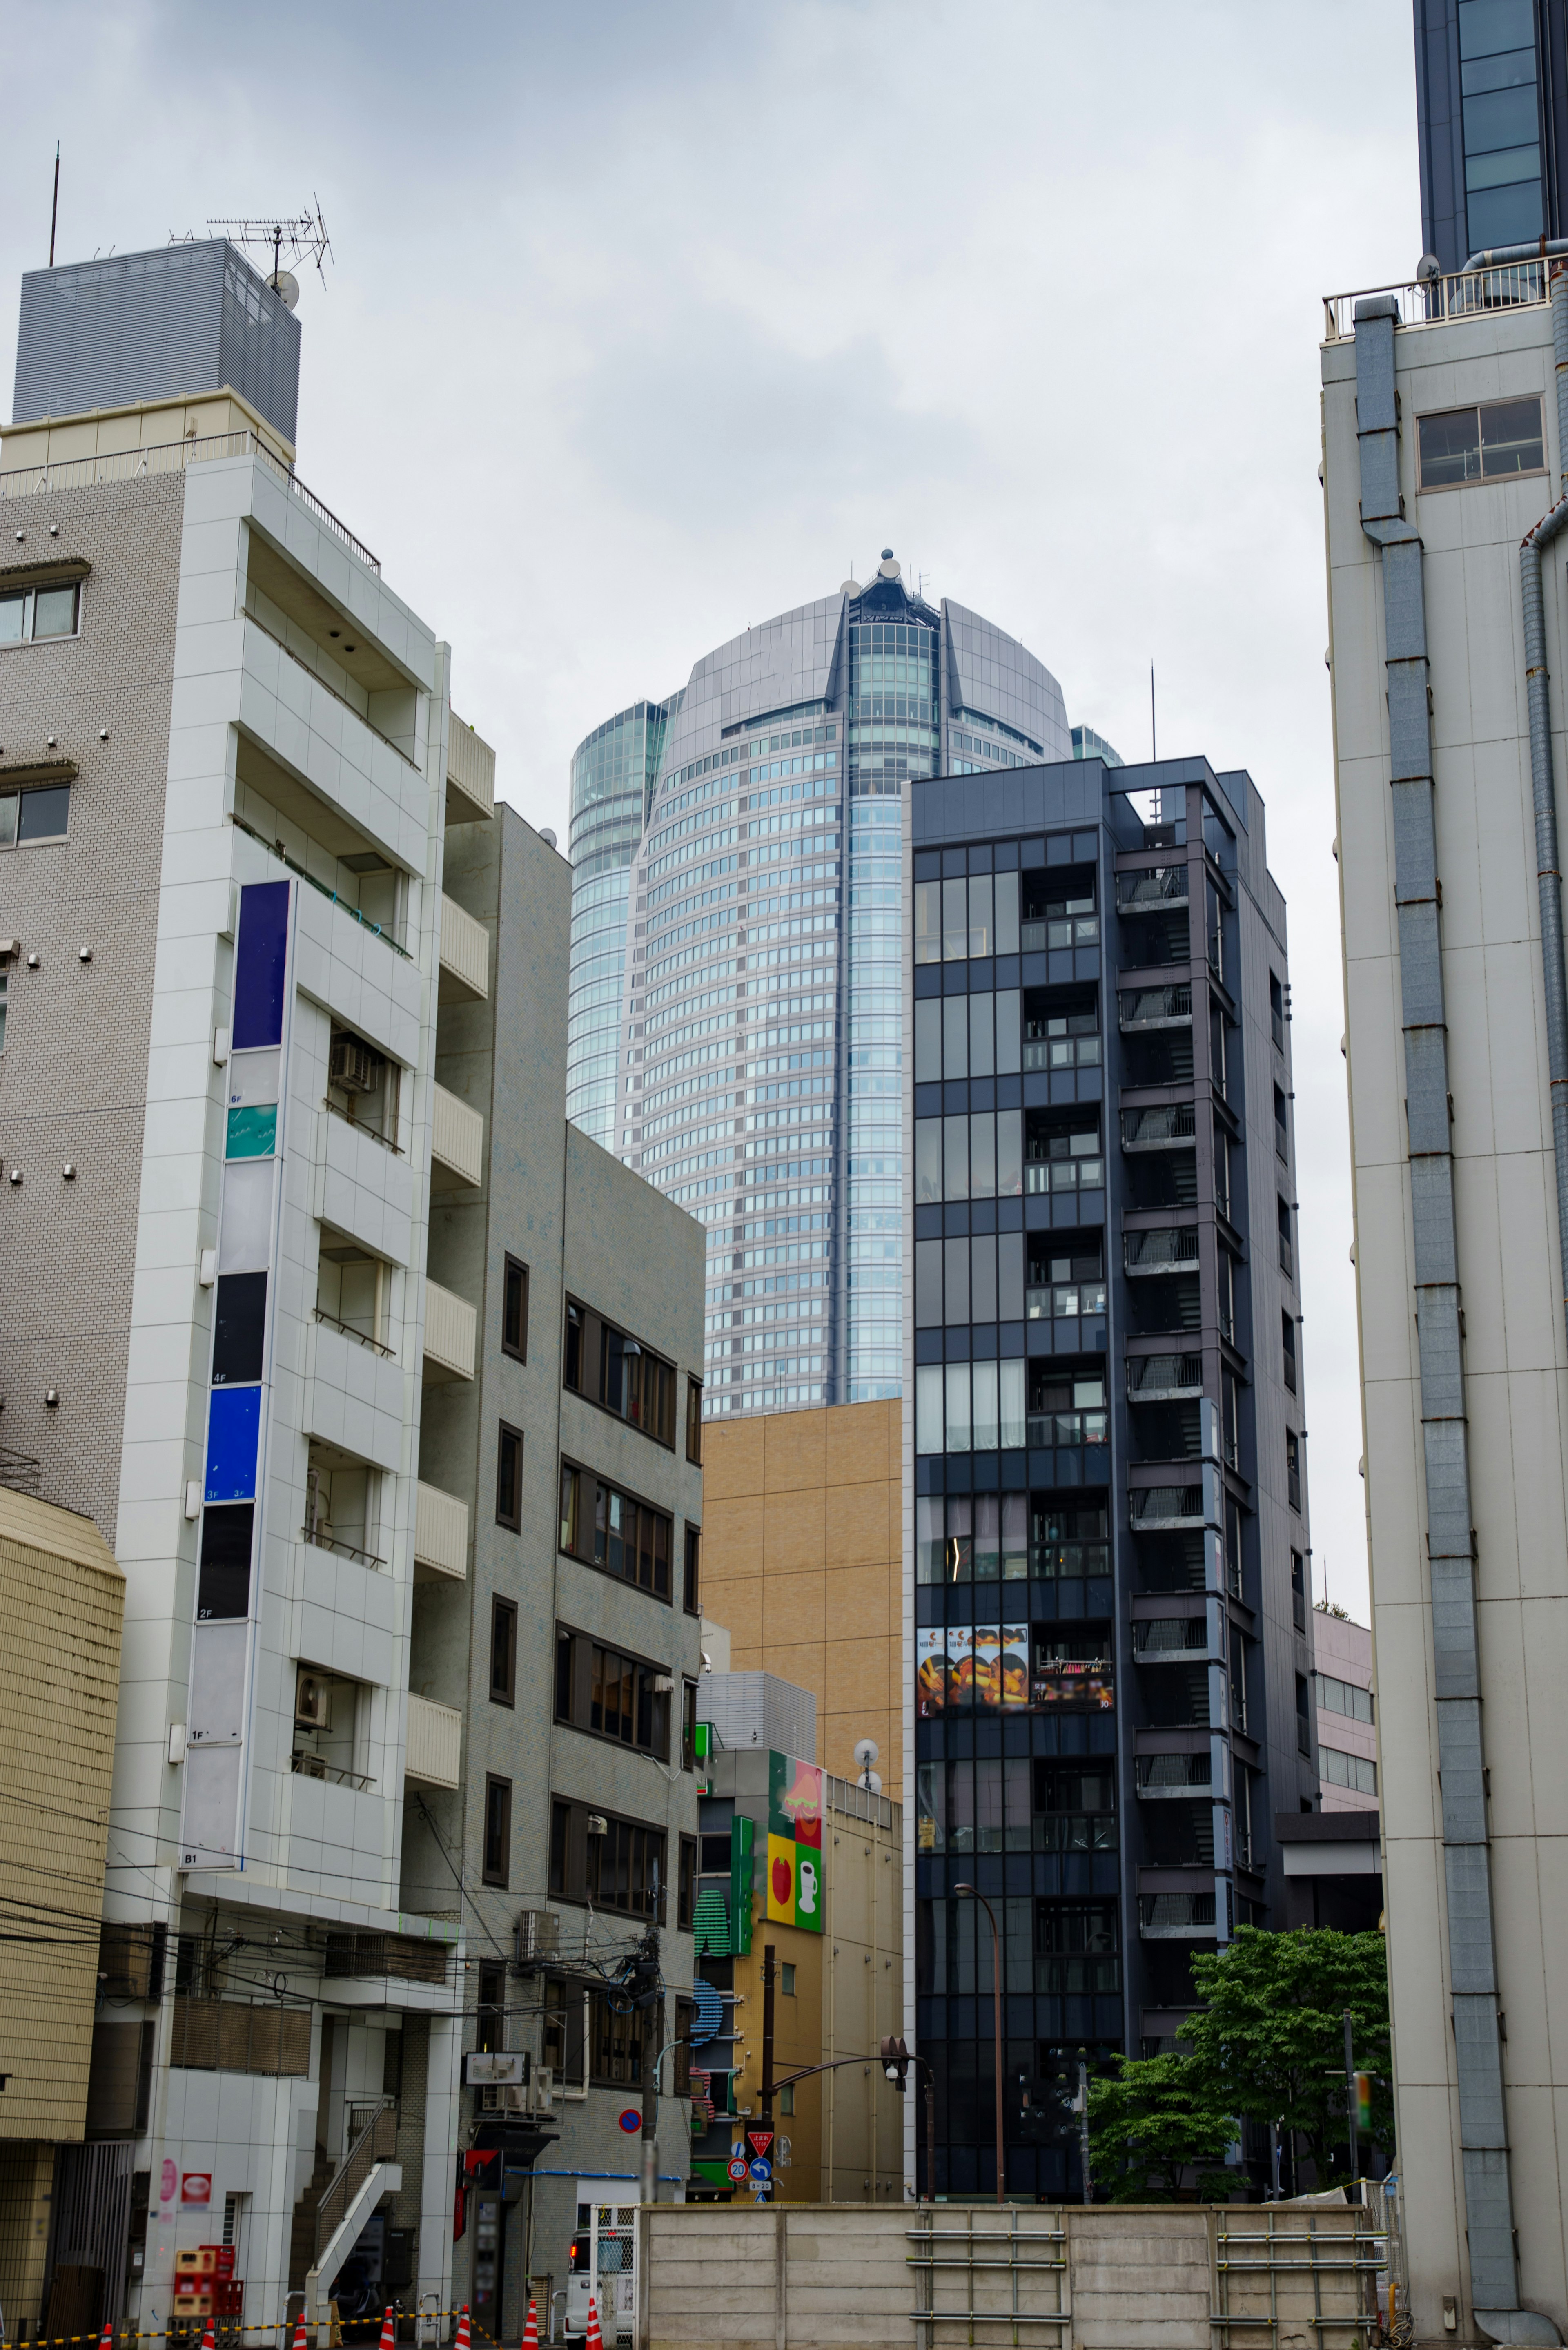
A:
{"points": [[1068, 1427], [1172, 1641], [1159, 1508], [1154, 1007], [434, 1750], [464, 951], [172, 457], [1164, 885], [1064, 1301], [354, 914], [469, 774], [1061, 1053], [1164, 1378], [1160, 1775], [450, 1328], [1165, 1126], [440, 1532], [1460, 294], [317, 678], [1176, 1917], [360, 1337], [1170, 1249], [1074, 930], [1064, 1175], [457, 1136]]}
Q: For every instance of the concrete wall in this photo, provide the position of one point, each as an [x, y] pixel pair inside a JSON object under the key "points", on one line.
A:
{"points": [[803, 1564], [1148, 2276]]}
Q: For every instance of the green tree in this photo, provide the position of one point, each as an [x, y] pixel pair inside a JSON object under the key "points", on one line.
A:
{"points": [[1268, 2039], [1154, 2121]]}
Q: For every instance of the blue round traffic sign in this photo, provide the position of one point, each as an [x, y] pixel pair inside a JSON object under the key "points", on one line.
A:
{"points": [[630, 2119], [737, 2168], [762, 2170]]}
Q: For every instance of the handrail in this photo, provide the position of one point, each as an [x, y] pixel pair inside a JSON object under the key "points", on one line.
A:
{"points": [[319, 1541], [389, 1353], [360, 1126], [377, 2142], [1459, 293], [353, 912], [172, 457], [328, 687]]}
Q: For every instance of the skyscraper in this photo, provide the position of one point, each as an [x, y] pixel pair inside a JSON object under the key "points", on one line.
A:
{"points": [[758, 1034], [1491, 103], [613, 771]]}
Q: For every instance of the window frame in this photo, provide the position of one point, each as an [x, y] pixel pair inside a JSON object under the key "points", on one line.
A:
{"points": [[502, 1623], [497, 1831], [584, 1334], [693, 1421], [692, 1571], [1482, 479], [513, 1266], [506, 1436], [579, 1683], [686, 1885], [579, 1472], [29, 588], [569, 1842], [21, 791]]}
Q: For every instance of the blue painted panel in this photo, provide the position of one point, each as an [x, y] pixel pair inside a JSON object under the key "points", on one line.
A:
{"points": [[234, 1428], [260, 964]]}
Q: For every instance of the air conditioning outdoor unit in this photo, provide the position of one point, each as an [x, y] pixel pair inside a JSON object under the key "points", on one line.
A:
{"points": [[537, 1934], [354, 1065], [313, 1701]]}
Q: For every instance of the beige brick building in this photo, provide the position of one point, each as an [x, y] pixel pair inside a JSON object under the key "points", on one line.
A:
{"points": [[802, 1549], [62, 1599]]}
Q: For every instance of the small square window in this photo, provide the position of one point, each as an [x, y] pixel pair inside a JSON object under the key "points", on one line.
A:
{"points": [[788, 1983], [509, 1479], [514, 1310]]}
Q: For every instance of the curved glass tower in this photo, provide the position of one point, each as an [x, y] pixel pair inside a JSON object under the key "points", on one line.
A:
{"points": [[759, 1018], [613, 773]]}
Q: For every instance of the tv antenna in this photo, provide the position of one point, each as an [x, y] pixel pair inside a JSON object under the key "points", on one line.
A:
{"points": [[303, 238]]}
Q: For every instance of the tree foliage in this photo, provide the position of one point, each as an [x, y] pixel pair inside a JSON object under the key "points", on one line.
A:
{"points": [[1270, 2037], [1154, 2124]]}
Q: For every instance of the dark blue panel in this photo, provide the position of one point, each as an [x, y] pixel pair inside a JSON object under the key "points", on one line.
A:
{"points": [[927, 1101], [1009, 1212], [927, 979], [927, 1475], [1059, 963], [983, 1094], [260, 964], [982, 1213], [1090, 1088], [929, 1221], [980, 980], [928, 1346], [955, 1220], [1036, 1090], [234, 1427], [980, 858], [955, 1096], [1063, 1086], [958, 1474], [1006, 855], [955, 978], [1034, 970], [1031, 852], [1086, 844], [1007, 970], [1010, 1343], [982, 1342], [985, 1465], [1059, 848]]}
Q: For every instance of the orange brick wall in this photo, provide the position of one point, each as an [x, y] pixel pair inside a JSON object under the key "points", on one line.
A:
{"points": [[801, 1563]]}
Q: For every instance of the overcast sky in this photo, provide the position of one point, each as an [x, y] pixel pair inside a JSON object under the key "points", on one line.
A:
{"points": [[647, 322]]}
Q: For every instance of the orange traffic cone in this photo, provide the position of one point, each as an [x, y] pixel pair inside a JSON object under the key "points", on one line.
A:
{"points": [[462, 2342], [389, 2330], [209, 2339], [531, 2331], [596, 2340], [300, 2339], [106, 2339]]}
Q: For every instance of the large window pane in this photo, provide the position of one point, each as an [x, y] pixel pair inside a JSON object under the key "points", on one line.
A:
{"points": [[981, 1052], [955, 1156], [1010, 1277], [928, 1040], [958, 1390], [1009, 1154], [986, 1428], [1511, 438], [1007, 913], [955, 1036], [928, 1160], [1450, 448], [1012, 1418], [929, 1408], [980, 930], [1008, 1002], [927, 1283], [1488, 26], [955, 920], [982, 1155], [928, 921], [957, 1253], [982, 1281], [1502, 117]]}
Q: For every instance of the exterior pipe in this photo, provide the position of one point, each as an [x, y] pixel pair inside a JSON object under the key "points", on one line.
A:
{"points": [[1501, 255], [1450, 1542]]}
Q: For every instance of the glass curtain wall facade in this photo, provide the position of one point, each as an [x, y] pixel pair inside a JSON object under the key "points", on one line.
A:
{"points": [[1110, 1654], [614, 770], [760, 1079], [1491, 103]]}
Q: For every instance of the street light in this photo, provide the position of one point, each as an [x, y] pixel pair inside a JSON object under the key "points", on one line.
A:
{"points": [[996, 2016]]}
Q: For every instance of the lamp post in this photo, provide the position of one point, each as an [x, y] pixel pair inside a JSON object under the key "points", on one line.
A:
{"points": [[996, 2016]]}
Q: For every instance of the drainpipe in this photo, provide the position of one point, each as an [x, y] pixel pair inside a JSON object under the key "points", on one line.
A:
{"points": [[1500, 256], [1467, 1861]]}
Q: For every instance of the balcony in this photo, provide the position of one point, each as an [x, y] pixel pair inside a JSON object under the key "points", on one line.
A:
{"points": [[1172, 1641], [1154, 1008], [457, 1138], [450, 1328], [1064, 1175], [1074, 930], [440, 1533], [1065, 1301], [1176, 1917], [434, 1755], [1166, 1509], [1151, 891], [1068, 1427], [1161, 1777], [464, 956], [470, 774], [1164, 1378], [1167, 1125], [1170, 1249]]}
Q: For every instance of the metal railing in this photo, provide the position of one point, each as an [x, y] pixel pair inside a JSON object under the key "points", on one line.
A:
{"points": [[360, 1126], [1433, 301], [1175, 1914], [1173, 1774], [308, 1765], [320, 1539], [1158, 1127], [1153, 1506], [1154, 1007], [1171, 1639], [377, 2142], [1166, 1249], [1160, 885], [354, 912], [18, 1471], [360, 1338], [172, 457], [1164, 1378]]}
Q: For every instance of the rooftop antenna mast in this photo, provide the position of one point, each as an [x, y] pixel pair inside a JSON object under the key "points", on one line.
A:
{"points": [[304, 236], [55, 209]]}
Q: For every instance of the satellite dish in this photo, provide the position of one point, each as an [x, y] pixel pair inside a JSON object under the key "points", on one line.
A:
{"points": [[850, 587], [872, 1783], [548, 836], [285, 286], [866, 1752]]}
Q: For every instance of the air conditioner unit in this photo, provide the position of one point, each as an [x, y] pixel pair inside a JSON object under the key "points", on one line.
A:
{"points": [[539, 1931], [354, 1065], [597, 1824], [313, 1701], [663, 1684], [543, 2087]]}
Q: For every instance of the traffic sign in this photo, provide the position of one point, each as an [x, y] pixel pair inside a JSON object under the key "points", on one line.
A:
{"points": [[762, 2170], [631, 2119], [738, 2168], [760, 2141]]}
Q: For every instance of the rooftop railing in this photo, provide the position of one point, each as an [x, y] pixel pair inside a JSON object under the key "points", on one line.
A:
{"points": [[1436, 301], [172, 457]]}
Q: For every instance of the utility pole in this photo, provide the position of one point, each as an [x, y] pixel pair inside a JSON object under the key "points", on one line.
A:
{"points": [[1350, 2098], [652, 2042], [770, 1972]]}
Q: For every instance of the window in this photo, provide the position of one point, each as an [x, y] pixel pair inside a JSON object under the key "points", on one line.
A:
{"points": [[1282, 1127], [787, 1983], [615, 2044], [1287, 1253], [686, 1895], [610, 1368], [1294, 1468], [491, 2020], [1495, 441], [614, 1864], [223, 1578], [1343, 1697], [1340, 1770], [688, 1725], [692, 1581], [693, 1399], [497, 1867], [509, 1479], [786, 2095], [1277, 1012], [1238, 1681], [504, 1651], [514, 1310], [50, 609], [1304, 1718], [1288, 1349], [1298, 1591], [1076, 1947], [612, 1695], [5, 977], [239, 1325], [606, 1528], [42, 815], [565, 2039]]}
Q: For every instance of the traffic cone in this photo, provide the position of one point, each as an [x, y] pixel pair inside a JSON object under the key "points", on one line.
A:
{"points": [[209, 2339], [106, 2339], [596, 2340], [531, 2331], [462, 2342], [301, 2340], [389, 2330]]}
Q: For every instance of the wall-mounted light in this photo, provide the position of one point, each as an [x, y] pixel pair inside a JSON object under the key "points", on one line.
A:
{"points": [[84, 954], [192, 1498], [52, 1399], [103, 734], [16, 1174], [33, 959], [69, 1170]]}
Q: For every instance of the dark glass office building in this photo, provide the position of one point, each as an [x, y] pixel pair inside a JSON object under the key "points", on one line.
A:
{"points": [[1491, 102], [1109, 1646]]}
